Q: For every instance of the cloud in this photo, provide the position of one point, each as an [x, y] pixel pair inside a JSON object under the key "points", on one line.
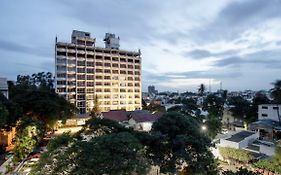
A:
{"points": [[23, 49], [236, 17], [203, 54], [268, 58]]}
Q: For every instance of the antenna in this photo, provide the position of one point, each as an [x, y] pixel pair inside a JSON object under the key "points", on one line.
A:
{"points": [[209, 85]]}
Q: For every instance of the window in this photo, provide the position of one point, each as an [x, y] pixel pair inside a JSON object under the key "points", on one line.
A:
{"points": [[81, 83], [122, 72], [115, 71], [107, 77], [61, 82], [115, 65], [91, 64], [276, 108], [123, 66], [80, 90], [264, 115], [115, 59], [61, 75], [81, 97], [98, 70], [81, 77], [90, 90], [106, 90], [98, 90], [81, 63], [81, 70], [122, 90], [107, 58], [61, 90], [108, 71], [98, 64], [90, 77], [90, 70], [264, 107], [98, 77], [107, 64]]}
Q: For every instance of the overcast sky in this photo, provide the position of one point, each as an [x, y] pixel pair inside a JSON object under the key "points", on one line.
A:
{"points": [[183, 42]]}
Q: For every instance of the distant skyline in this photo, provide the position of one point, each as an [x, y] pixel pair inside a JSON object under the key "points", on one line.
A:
{"points": [[183, 43]]}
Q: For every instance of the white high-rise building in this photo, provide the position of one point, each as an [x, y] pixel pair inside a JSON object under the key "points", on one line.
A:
{"points": [[84, 71]]}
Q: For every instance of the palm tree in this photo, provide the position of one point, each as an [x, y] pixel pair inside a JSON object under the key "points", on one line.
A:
{"points": [[201, 89]]}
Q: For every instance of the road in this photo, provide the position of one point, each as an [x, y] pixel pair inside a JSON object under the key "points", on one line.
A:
{"points": [[71, 129]]}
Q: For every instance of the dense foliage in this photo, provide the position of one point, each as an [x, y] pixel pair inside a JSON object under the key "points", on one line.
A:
{"points": [[179, 144], [276, 91], [29, 134], [106, 147], [241, 171], [35, 97]]}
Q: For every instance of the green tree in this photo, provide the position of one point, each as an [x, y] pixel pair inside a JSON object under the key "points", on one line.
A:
{"points": [[29, 134], [241, 171], [201, 90], [240, 107], [276, 92], [117, 153], [252, 114], [153, 107], [13, 110], [37, 98], [3, 115], [213, 126], [189, 107], [177, 143], [144, 105], [96, 109], [214, 105], [100, 127]]}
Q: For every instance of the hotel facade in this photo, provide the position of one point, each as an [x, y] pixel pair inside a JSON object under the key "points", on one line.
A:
{"points": [[84, 71]]}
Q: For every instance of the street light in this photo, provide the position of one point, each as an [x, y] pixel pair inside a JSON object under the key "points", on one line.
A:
{"points": [[204, 128]]}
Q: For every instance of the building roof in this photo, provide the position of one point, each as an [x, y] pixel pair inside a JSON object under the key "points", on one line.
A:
{"points": [[138, 116], [265, 124], [145, 117], [238, 137], [116, 115]]}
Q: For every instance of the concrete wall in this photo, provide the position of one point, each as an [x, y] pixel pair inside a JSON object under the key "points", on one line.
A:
{"points": [[267, 150], [244, 143], [269, 111], [227, 143]]}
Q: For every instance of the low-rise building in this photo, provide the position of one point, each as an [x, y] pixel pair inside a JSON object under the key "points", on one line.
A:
{"points": [[140, 120], [270, 112]]}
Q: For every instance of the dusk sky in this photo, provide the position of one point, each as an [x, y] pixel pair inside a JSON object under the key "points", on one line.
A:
{"points": [[183, 42]]}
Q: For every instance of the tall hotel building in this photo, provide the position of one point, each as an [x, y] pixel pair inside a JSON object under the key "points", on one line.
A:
{"points": [[84, 71]]}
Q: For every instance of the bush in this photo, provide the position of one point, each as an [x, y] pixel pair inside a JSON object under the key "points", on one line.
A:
{"points": [[268, 165], [235, 154]]}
